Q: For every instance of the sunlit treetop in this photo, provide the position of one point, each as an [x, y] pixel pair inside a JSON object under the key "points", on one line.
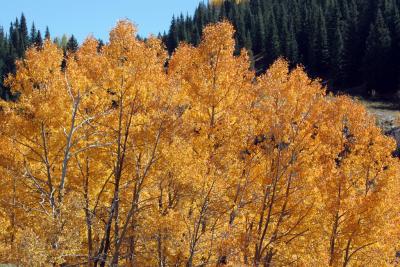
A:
{"points": [[120, 155]]}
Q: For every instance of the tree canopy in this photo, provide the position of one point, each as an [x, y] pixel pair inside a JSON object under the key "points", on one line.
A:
{"points": [[349, 43], [109, 158], [15, 42]]}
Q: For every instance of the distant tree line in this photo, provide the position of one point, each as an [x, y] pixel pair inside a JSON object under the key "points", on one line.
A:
{"points": [[14, 43], [349, 43]]}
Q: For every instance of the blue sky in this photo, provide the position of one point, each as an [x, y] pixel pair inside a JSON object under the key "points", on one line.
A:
{"points": [[97, 17]]}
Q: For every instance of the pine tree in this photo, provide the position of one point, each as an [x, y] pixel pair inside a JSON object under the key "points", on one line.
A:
{"points": [[195, 37], [222, 12], [172, 40], [64, 41], [322, 48], [100, 44], [377, 55], [200, 16], [182, 30], [239, 24], [393, 66], [47, 34], [259, 37], [353, 53], [310, 33], [3, 53], [57, 41], [16, 39], [248, 43], [72, 45], [33, 34], [39, 39], [396, 46], [272, 42], [23, 30], [337, 58]]}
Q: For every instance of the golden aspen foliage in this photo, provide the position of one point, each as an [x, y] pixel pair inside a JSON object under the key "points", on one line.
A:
{"points": [[358, 186], [122, 156], [220, 2], [217, 88], [278, 220]]}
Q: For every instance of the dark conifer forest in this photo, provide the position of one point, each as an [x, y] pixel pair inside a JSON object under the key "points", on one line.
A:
{"points": [[348, 43]]}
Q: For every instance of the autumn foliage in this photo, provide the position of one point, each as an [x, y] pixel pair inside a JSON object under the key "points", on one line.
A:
{"points": [[121, 156]]}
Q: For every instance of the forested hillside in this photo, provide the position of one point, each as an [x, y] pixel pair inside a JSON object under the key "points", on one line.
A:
{"points": [[201, 153], [346, 42], [14, 43], [107, 159]]}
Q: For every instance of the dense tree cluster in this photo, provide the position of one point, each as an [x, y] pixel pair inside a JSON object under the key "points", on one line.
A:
{"points": [[110, 159], [350, 43], [13, 45], [16, 41]]}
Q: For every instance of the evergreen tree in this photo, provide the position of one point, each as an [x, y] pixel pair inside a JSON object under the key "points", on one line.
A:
{"points": [[292, 52], [200, 16], [377, 55], [23, 30], [72, 45], [337, 58], [321, 46], [100, 44], [64, 41], [310, 32], [396, 46], [33, 34], [3, 53], [248, 43], [182, 31], [39, 39], [16, 40], [195, 35], [222, 12], [352, 43], [57, 41], [272, 42], [259, 34], [173, 38], [47, 34]]}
